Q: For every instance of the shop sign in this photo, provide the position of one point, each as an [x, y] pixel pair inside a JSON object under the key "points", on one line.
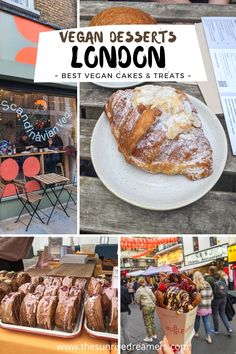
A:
{"points": [[232, 254], [171, 258], [41, 135], [207, 255]]}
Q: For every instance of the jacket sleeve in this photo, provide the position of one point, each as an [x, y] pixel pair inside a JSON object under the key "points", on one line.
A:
{"points": [[152, 296], [137, 297]]}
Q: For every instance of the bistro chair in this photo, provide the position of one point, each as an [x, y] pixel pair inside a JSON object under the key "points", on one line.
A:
{"points": [[71, 189], [29, 200], [60, 169]]}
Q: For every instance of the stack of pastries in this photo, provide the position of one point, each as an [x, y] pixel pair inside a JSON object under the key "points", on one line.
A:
{"points": [[44, 302], [101, 306]]}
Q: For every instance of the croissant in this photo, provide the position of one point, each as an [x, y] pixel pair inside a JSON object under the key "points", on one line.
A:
{"points": [[158, 130]]}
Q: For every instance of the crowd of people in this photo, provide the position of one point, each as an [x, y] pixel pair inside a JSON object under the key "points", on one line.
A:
{"points": [[215, 302], [25, 144]]}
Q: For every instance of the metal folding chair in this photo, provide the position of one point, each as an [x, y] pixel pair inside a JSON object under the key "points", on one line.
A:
{"points": [[71, 189], [30, 201]]}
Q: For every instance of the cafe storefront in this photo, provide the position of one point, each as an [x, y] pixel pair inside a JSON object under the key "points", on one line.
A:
{"points": [[217, 256], [32, 112], [232, 265]]}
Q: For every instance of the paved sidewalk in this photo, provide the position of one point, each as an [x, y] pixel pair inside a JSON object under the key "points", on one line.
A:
{"points": [[59, 224], [221, 344]]}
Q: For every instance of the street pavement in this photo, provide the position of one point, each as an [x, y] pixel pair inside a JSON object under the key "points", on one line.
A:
{"points": [[221, 344]]}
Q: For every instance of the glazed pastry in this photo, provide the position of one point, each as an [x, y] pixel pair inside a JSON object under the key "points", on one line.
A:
{"points": [[158, 129], [28, 310], [68, 281], [80, 282], [10, 308], [113, 318], [39, 291], [94, 313], [27, 288], [48, 281], [95, 286], [51, 290], [46, 312], [76, 291], [107, 295], [67, 313], [63, 292], [10, 275], [3, 273], [36, 280], [122, 16], [22, 278], [57, 281]]}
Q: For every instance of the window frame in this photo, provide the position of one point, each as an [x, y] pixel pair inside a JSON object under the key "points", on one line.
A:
{"points": [[30, 8]]}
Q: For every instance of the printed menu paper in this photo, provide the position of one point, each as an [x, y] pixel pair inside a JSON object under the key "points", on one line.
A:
{"points": [[221, 38]]}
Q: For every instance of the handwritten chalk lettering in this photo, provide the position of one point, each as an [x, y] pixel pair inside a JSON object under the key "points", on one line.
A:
{"points": [[120, 57], [28, 127]]}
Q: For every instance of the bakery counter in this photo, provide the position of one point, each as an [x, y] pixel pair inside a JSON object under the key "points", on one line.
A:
{"points": [[74, 270], [22, 343]]}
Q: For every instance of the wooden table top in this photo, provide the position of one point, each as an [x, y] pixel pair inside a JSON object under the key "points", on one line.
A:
{"points": [[162, 12], [51, 178], [65, 269], [103, 212]]}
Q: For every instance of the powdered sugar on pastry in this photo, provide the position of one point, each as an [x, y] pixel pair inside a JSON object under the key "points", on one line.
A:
{"points": [[158, 129]]}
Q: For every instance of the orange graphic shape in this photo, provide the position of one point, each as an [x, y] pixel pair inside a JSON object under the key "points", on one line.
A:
{"points": [[27, 55], [32, 186], [30, 29], [9, 169], [9, 190], [31, 166]]}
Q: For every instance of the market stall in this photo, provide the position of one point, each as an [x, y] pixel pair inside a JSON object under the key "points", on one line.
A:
{"points": [[64, 299]]}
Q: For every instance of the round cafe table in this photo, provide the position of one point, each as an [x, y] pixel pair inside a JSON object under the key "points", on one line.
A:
{"points": [[24, 343]]}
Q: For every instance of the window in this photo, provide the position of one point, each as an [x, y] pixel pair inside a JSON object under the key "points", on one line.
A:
{"points": [[213, 241], [25, 4], [195, 244], [37, 114]]}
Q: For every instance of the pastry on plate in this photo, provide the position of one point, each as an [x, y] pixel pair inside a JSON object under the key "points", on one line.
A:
{"points": [[122, 16], [158, 129]]}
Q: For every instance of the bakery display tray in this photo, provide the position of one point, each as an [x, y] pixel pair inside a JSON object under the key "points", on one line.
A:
{"points": [[47, 332], [101, 335]]}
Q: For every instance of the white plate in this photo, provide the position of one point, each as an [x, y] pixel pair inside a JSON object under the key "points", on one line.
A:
{"points": [[101, 335], [117, 84], [155, 191]]}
